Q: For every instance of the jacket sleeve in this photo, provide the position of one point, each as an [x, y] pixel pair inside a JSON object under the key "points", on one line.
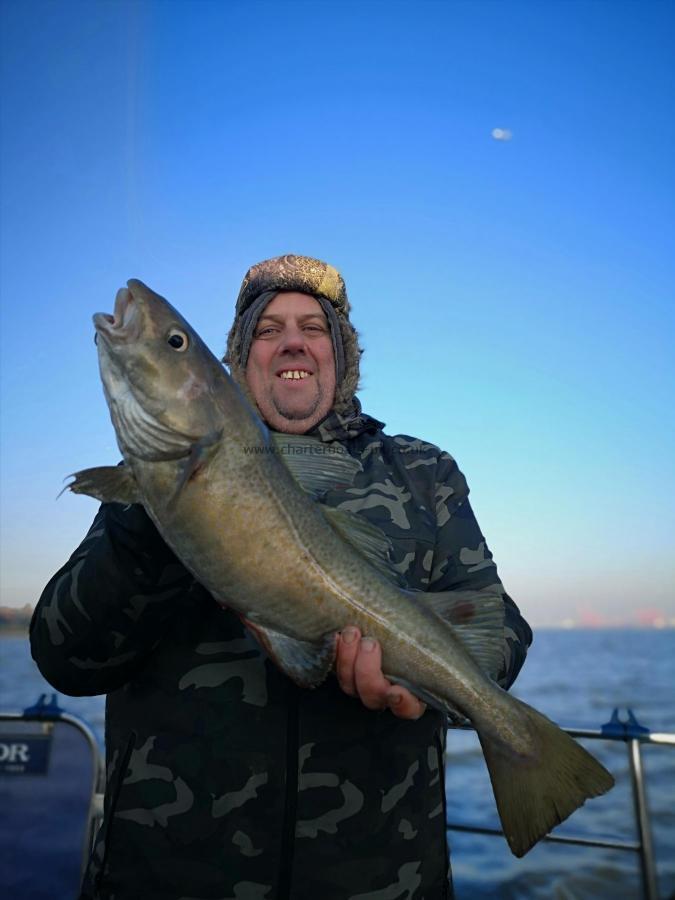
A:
{"points": [[462, 561], [102, 613]]}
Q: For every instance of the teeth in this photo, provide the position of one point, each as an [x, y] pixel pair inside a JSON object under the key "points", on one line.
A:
{"points": [[295, 374]]}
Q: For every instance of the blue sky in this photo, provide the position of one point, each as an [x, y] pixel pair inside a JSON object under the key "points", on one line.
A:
{"points": [[515, 298]]}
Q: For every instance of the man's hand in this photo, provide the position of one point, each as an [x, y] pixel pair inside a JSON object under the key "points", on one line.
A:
{"points": [[358, 667]]}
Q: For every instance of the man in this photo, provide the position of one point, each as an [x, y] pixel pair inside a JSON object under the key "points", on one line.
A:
{"points": [[224, 778]]}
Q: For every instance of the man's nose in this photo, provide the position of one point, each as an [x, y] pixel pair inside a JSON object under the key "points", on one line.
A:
{"points": [[292, 341]]}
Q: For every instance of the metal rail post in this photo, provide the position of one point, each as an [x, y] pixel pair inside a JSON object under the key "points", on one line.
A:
{"points": [[633, 734], [647, 856]]}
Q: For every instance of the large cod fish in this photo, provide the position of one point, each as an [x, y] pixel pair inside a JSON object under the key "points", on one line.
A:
{"points": [[202, 463]]}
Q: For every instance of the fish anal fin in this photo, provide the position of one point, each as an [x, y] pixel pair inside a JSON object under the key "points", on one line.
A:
{"points": [[455, 717], [536, 792], [306, 663], [109, 484]]}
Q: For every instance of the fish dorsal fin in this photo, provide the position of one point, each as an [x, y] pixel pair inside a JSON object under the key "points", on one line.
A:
{"points": [[306, 663], [319, 467], [109, 484], [370, 541], [477, 617], [316, 466]]}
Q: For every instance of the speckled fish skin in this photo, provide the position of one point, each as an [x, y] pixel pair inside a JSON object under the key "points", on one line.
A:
{"points": [[240, 523], [274, 544]]}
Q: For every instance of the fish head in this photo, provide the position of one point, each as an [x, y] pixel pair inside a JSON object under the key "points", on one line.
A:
{"points": [[163, 385]]}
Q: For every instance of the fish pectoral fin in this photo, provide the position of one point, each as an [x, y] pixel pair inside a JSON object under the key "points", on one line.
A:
{"points": [[477, 617], [109, 484], [200, 451], [305, 662]]}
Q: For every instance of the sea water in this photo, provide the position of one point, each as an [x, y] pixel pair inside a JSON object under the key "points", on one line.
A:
{"points": [[576, 678]]}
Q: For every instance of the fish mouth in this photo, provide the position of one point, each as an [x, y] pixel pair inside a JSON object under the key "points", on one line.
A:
{"points": [[121, 324]]}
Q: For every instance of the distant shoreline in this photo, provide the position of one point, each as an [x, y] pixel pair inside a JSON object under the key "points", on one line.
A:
{"points": [[15, 622], [22, 630]]}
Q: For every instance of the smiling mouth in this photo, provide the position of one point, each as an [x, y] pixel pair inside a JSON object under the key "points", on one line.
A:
{"points": [[294, 374]]}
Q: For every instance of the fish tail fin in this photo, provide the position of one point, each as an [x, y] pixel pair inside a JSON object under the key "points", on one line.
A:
{"points": [[538, 790]]}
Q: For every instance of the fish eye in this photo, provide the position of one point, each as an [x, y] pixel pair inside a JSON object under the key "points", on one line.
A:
{"points": [[177, 339]]}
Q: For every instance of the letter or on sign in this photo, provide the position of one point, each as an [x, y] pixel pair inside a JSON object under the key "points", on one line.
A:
{"points": [[24, 754]]}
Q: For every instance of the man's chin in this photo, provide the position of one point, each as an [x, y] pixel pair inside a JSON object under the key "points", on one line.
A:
{"points": [[296, 409], [296, 419], [298, 416]]}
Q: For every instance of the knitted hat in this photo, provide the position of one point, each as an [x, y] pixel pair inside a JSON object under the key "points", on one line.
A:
{"points": [[307, 276]]}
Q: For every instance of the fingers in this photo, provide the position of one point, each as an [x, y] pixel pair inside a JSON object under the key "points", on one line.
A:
{"points": [[349, 641], [371, 685], [404, 704], [358, 667]]}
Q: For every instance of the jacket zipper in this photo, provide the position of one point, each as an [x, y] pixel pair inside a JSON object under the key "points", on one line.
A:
{"points": [[122, 774], [291, 799], [441, 738]]}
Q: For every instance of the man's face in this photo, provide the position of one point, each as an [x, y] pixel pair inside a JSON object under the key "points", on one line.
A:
{"points": [[291, 365]]}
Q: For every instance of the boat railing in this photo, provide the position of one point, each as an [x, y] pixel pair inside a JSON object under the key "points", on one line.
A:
{"points": [[633, 735], [628, 730], [46, 742]]}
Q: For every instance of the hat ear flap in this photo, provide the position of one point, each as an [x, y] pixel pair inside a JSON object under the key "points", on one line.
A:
{"points": [[349, 385]]}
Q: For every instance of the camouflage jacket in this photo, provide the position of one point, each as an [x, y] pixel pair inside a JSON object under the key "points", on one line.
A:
{"points": [[225, 780]]}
